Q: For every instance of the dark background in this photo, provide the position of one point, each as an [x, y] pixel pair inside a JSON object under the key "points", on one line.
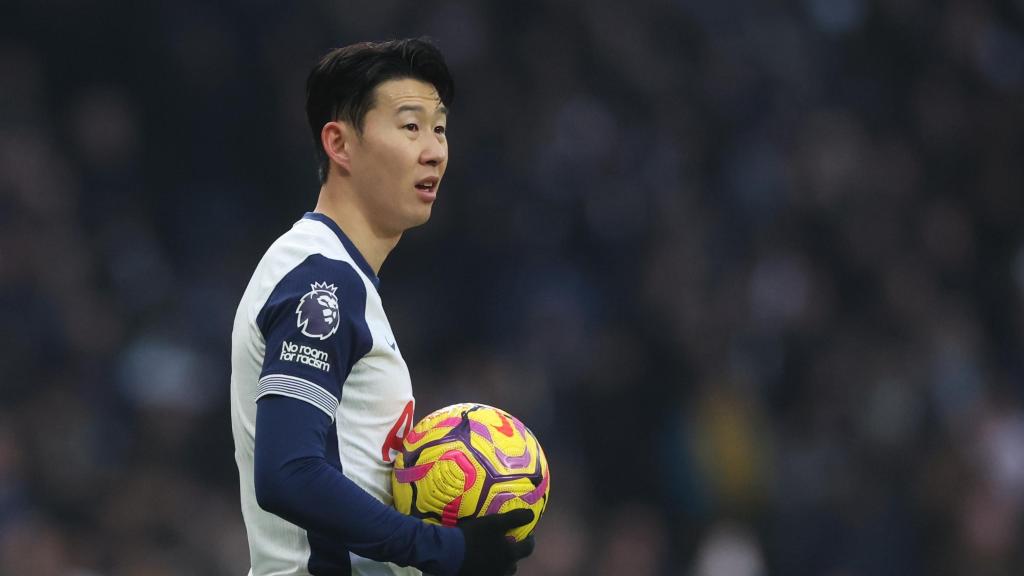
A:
{"points": [[751, 270]]}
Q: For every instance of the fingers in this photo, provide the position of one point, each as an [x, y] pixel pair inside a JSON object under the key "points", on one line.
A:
{"points": [[523, 549]]}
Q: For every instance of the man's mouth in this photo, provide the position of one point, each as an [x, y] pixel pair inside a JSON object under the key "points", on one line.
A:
{"points": [[428, 184]]}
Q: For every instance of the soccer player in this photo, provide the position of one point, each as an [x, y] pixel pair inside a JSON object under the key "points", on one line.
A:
{"points": [[320, 394]]}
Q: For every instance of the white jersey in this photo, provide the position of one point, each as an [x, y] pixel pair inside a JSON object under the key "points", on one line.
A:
{"points": [[311, 326]]}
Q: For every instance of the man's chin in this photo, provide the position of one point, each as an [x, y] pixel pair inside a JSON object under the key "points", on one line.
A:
{"points": [[420, 218]]}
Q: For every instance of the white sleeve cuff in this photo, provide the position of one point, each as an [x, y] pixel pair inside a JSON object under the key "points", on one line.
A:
{"points": [[300, 389]]}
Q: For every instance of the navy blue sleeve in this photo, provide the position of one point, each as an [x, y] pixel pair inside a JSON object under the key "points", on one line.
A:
{"points": [[314, 326], [295, 481]]}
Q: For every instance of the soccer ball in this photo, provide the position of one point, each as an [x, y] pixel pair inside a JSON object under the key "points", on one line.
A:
{"points": [[470, 460]]}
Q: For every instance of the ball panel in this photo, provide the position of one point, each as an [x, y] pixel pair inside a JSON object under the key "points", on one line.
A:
{"points": [[444, 478], [426, 432], [517, 494]]}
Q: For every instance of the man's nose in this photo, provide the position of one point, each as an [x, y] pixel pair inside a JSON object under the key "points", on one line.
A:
{"points": [[435, 152]]}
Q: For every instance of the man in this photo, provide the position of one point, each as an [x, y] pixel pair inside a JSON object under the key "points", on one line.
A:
{"points": [[320, 394]]}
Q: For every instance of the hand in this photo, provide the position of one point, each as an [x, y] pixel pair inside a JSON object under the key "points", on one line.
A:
{"points": [[488, 551]]}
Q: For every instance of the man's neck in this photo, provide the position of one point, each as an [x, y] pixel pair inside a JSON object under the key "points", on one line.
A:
{"points": [[342, 207]]}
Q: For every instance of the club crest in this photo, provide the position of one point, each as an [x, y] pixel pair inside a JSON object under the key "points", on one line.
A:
{"points": [[318, 315]]}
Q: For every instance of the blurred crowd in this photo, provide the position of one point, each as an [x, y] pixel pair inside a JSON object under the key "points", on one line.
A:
{"points": [[753, 272]]}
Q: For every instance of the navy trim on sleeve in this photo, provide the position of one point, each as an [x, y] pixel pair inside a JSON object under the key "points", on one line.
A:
{"points": [[314, 327], [294, 480], [352, 250]]}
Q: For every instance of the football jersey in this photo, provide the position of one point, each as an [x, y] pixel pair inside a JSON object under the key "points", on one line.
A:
{"points": [[311, 326]]}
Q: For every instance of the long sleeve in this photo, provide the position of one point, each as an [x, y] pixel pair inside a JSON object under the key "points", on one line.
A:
{"points": [[295, 480]]}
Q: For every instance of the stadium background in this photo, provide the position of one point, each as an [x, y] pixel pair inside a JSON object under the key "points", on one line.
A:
{"points": [[752, 271]]}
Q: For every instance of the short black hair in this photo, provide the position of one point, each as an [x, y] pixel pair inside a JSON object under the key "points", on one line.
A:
{"points": [[341, 85]]}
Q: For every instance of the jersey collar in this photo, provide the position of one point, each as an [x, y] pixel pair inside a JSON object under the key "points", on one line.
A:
{"points": [[352, 250]]}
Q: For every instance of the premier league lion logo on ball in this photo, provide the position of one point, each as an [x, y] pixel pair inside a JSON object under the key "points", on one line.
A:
{"points": [[318, 311]]}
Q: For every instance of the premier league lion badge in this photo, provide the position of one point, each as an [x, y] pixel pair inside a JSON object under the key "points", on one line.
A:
{"points": [[318, 311]]}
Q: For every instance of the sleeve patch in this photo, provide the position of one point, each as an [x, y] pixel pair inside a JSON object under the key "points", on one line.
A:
{"points": [[317, 312], [305, 354]]}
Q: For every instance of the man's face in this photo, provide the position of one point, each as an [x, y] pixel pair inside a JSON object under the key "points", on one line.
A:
{"points": [[397, 164]]}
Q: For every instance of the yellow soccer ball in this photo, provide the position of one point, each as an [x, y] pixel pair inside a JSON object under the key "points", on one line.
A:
{"points": [[470, 460]]}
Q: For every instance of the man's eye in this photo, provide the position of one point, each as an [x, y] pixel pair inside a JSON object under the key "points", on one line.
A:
{"points": [[440, 130], [412, 127]]}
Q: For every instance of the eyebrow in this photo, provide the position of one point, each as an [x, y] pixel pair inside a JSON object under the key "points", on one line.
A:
{"points": [[441, 109]]}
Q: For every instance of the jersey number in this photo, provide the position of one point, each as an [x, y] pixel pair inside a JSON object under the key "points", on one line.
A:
{"points": [[394, 439]]}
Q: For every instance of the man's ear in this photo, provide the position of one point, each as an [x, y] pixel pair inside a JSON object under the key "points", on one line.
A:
{"points": [[336, 138]]}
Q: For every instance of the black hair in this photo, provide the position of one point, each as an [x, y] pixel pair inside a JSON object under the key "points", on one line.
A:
{"points": [[341, 85]]}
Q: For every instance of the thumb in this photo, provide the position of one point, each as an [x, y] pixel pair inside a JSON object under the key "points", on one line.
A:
{"points": [[514, 518]]}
